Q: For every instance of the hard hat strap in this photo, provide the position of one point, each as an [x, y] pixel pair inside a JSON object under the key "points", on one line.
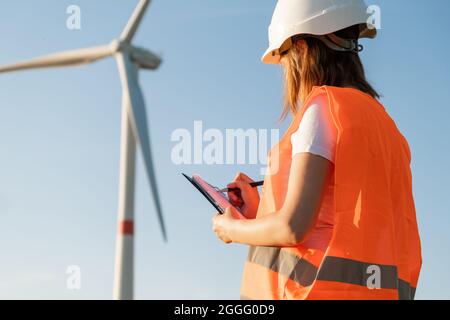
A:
{"points": [[337, 43], [330, 40]]}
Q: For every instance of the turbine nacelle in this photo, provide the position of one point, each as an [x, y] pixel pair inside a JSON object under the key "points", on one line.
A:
{"points": [[142, 57]]}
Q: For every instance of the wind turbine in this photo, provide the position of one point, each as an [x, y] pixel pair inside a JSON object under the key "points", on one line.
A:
{"points": [[134, 131]]}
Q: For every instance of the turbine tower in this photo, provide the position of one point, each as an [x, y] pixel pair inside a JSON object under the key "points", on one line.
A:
{"points": [[134, 131]]}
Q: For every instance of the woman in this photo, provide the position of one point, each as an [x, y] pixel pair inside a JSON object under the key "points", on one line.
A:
{"points": [[336, 218]]}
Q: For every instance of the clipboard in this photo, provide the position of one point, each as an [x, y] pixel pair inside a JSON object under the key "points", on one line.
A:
{"points": [[214, 196]]}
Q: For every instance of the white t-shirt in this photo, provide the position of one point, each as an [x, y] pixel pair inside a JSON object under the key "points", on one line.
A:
{"points": [[317, 135]]}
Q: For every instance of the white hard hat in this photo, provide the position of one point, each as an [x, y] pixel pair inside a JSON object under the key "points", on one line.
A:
{"points": [[314, 17]]}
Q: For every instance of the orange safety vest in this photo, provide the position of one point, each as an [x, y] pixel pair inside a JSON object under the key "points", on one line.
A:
{"points": [[375, 249]]}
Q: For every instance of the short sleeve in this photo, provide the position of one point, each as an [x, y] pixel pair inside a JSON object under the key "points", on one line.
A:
{"points": [[317, 133]]}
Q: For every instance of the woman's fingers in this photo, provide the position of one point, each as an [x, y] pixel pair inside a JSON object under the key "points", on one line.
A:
{"points": [[235, 200], [244, 197], [242, 177], [235, 195], [243, 187], [239, 198], [232, 185], [243, 190]]}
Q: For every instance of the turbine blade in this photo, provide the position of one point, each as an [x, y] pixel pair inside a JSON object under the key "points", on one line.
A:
{"points": [[138, 117], [67, 58], [132, 25]]}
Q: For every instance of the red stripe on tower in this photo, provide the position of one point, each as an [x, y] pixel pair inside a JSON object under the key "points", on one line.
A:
{"points": [[126, 227]]}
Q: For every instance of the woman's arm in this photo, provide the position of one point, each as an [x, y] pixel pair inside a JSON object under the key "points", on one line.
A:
{"points": [[291, 225]]}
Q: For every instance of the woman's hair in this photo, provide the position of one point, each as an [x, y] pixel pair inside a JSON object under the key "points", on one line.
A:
{"points": [[309, 62]]}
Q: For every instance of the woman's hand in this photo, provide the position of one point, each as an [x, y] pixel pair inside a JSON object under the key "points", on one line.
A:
{"points": [[247, 198], [293, 222], [222, 225]]}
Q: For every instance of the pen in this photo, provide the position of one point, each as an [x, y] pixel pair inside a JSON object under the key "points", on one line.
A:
{"points": [[253, 185]]}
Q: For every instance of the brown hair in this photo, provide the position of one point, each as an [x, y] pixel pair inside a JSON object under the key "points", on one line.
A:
{"points": [[309, 62]]}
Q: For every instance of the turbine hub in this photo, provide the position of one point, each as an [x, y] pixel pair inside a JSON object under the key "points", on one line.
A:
{"points": [[116, 46]]}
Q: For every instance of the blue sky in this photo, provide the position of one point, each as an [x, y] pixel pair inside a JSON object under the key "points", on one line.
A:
{"points": [[60, 130]]}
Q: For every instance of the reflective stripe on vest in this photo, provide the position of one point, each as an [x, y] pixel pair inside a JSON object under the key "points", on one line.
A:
{"points": [[333, 269], [375, 228]]}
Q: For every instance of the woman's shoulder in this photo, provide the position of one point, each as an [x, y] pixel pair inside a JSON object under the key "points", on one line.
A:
{"points": [[317, 100], [348, 99]]}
